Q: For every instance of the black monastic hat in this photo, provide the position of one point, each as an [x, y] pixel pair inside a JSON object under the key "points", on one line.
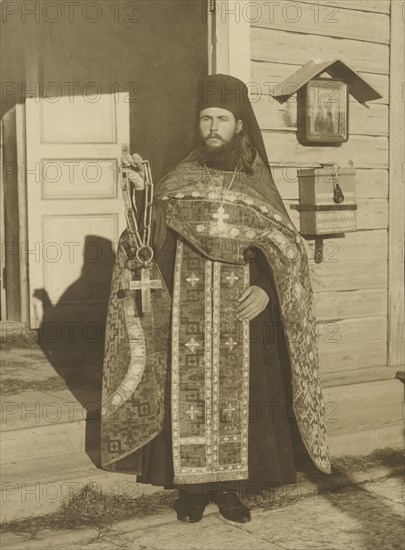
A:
{"points": [[227, 92]]}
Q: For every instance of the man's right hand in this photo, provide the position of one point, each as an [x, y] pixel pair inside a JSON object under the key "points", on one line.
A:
{"points": [[135, 170]]}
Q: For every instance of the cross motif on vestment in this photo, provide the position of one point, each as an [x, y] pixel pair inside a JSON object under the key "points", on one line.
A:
{"points": [[191, 412], [230, 410], [192, 345], [220, 216], [193, 279], [232, 278], [145, 285], [231, 343], [115, 445]]}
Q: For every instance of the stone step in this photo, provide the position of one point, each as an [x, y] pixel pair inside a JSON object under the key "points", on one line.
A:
{"points": [[36, 487], [38, 424], [365, 440], [363, 417], [364, 404], [42, 442], [33, 408]]}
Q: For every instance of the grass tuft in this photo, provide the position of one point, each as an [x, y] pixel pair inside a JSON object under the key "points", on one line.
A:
{"points": [[13, 386], [379, 457], [91, 507]]}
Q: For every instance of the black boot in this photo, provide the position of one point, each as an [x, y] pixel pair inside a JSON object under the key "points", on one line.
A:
{"points": [[190, 506], [231, 507]]}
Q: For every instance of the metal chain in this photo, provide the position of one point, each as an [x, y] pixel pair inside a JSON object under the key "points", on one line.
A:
{"points": [[132, 223], [142, 242], [147, 217]]}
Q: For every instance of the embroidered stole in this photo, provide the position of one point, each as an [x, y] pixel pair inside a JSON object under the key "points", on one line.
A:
{"points": [[210, 370]]}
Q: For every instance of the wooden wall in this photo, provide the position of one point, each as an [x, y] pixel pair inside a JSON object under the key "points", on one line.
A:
{"points": [[351, 284]]}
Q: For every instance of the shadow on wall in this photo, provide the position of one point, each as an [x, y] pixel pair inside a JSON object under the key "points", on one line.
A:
{"points": [[72, 334]]}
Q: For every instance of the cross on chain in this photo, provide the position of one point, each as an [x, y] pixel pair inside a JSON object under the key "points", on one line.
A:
{"points": [[220, 216], [145, 285]]}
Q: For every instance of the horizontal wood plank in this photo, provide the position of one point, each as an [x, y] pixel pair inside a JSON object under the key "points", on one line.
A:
{"points": [[359, 376], [363, 120], [265, 76], [372, 214], [364, 245], [363, 151], [326, 19], [378, 6], [352, 343], [286, 47], [340, 333], [370, 183], [350, 304], [355, 355], [349, 275]]}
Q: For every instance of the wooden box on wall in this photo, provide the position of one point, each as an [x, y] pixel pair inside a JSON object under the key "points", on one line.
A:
{"points": [[319, 213]]}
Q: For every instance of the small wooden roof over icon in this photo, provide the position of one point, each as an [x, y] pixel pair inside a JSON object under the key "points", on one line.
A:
{"points": [[359, 88]]}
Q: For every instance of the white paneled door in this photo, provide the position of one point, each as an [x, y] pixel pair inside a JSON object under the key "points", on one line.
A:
{"points": [[75, 207]]}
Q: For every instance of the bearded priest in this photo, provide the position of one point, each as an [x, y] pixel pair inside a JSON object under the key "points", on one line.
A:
{"points": [[211, 376]]}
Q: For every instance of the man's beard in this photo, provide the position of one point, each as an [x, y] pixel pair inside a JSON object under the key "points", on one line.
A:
{"points": [[225, 157]]}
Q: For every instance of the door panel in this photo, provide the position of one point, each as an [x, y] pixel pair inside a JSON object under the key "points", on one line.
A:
{"points": [[75, 207], [67, 247], [79, 178], [79, 120]]}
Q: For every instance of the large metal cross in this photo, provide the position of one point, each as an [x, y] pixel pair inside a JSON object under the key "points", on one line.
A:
{"points": [[220, 216], [145, 285]]}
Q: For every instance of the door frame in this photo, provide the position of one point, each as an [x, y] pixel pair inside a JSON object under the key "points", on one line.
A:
{"points": [[22, 210], [229, 38], [15, 294], [3, 297]]}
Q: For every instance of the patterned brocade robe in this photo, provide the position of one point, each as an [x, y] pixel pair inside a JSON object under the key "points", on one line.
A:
{"points": [[193, 333]]}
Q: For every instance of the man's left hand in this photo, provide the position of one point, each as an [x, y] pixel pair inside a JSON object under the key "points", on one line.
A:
{"points": [[252, 302]]}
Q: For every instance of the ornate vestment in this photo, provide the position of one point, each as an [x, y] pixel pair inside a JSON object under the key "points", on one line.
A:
{"points": [[193, 331]]}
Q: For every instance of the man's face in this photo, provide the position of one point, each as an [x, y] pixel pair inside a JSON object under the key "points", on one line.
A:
{"points": [[218, 127]]}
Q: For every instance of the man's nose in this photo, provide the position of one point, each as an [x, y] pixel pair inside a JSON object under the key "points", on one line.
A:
{"points": [[213, 126]]}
